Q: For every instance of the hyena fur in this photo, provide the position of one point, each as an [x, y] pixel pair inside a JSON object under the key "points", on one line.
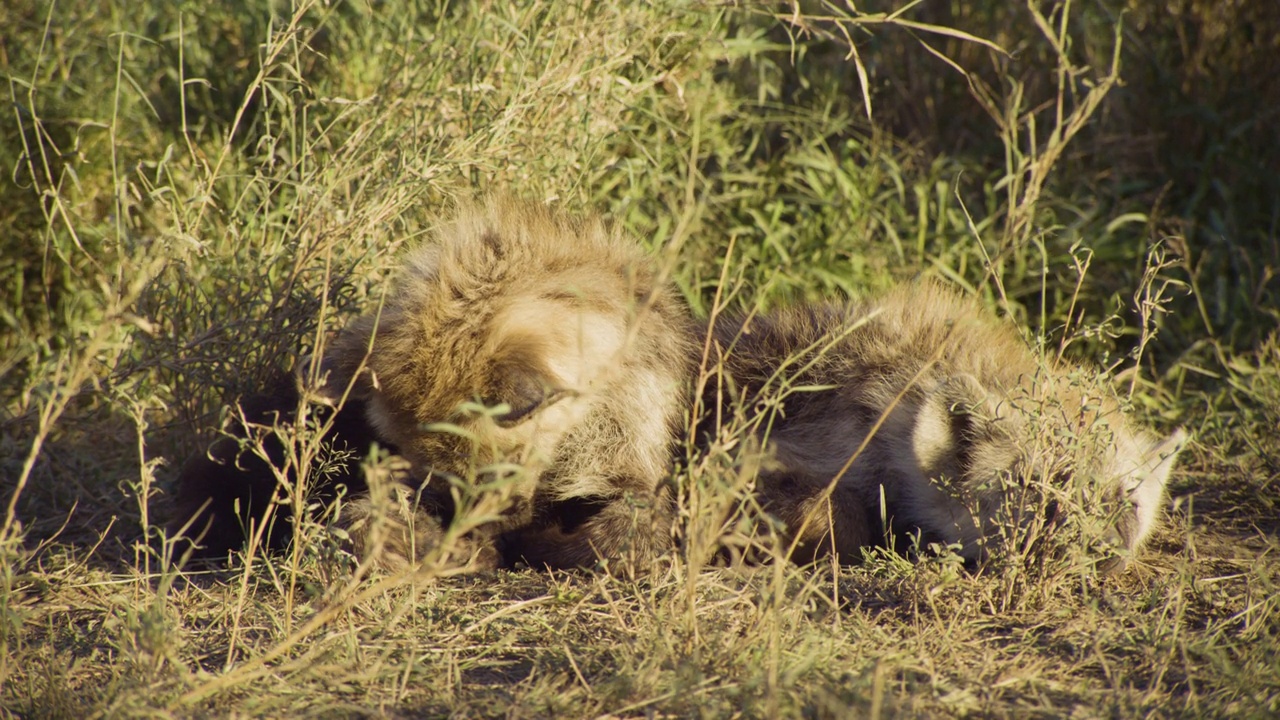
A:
{"points": [[544, 355]]}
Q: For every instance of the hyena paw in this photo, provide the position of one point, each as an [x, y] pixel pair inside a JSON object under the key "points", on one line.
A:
{"points": [[394, 534]]}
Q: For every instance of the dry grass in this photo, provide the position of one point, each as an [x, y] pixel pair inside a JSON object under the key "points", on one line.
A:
{"points": [[165, 250]]}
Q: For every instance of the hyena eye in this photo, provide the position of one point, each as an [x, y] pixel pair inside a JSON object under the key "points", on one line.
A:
{"points": [[522, 390]]}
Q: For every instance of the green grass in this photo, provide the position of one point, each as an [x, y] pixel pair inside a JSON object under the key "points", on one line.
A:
{"points": [[194, 194]]}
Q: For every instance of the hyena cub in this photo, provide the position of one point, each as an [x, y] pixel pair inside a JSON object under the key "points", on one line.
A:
{"points": [[519, 353], [535, 353], [917, 418], [543, 360]]}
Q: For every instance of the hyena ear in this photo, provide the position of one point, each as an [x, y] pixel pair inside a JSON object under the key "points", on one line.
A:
{"points": [[1146, 485], [965, 396], [1154, 469], [521, 389], [959, 391], [342, 365]]}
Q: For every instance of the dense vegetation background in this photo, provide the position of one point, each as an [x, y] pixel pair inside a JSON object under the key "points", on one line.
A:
{"points": [[194, 191]]}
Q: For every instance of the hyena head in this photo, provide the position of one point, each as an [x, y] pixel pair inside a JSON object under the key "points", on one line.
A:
{"points": [[512, 334], [1062, 438]]}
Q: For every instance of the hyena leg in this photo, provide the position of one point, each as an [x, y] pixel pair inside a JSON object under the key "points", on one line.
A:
{"points": [[399, 531], [816, 522], [626, 532], [920, 512]]}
